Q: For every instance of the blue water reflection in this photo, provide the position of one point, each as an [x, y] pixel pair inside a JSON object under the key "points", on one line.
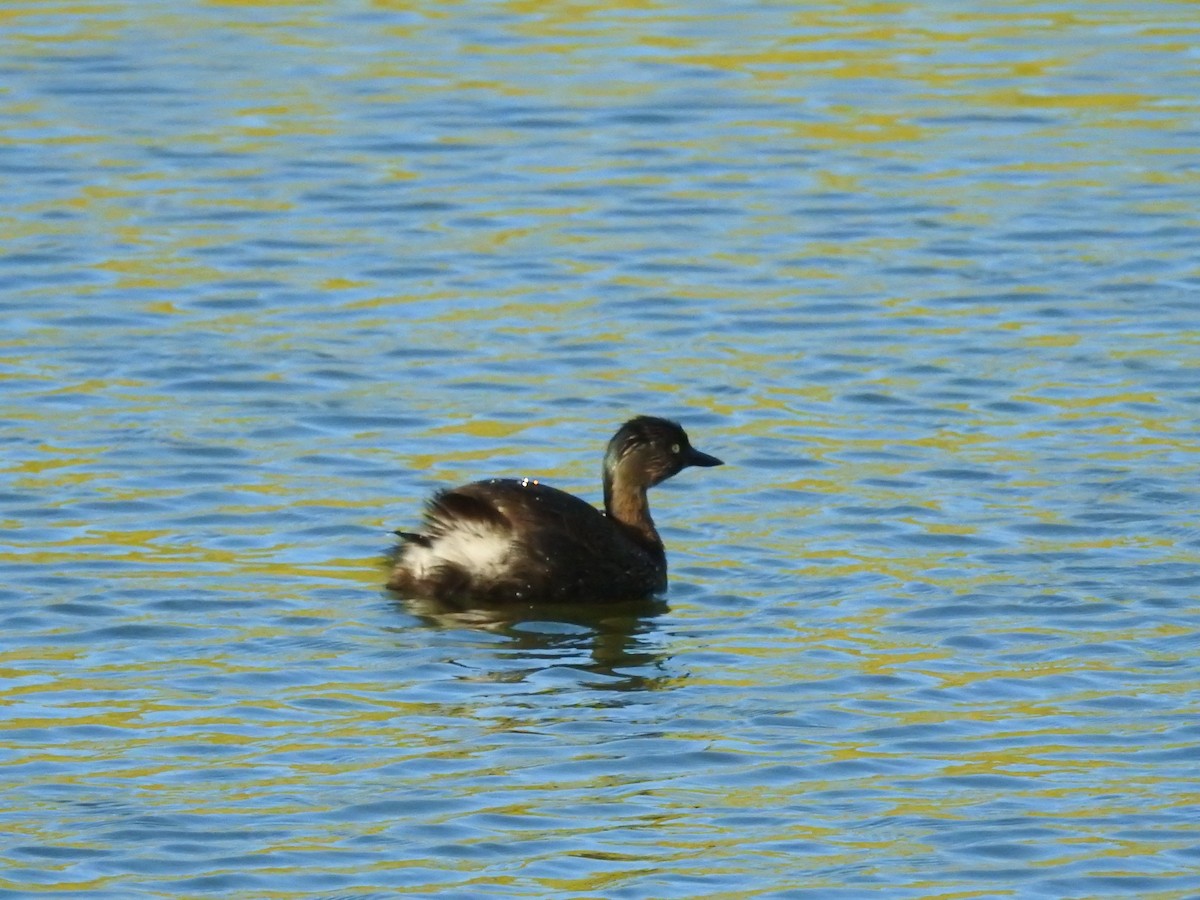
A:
{"points": [[924, 277]]}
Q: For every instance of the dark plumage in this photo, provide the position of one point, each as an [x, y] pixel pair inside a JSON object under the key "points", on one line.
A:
{"points": [[518, 539]]}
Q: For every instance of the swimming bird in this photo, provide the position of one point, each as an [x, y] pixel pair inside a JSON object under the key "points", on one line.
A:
{"points": [[520, 540]]}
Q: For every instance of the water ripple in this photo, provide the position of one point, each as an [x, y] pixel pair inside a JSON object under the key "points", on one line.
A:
{"points": [[269, 279]]}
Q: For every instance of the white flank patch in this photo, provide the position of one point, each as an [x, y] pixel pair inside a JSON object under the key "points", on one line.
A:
{"points": [[480, 549]]}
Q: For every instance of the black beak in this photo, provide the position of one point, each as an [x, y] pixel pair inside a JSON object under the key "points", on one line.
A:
{"points": [[696, 458]]}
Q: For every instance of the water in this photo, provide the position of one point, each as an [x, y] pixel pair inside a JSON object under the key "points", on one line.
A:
{"points": [[925, 277]]}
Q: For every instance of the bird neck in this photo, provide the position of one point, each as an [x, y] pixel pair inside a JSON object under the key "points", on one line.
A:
{"points": [[626, 504]]}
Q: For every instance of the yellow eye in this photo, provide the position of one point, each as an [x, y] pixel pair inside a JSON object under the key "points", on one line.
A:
{"points": [[674, 448]]}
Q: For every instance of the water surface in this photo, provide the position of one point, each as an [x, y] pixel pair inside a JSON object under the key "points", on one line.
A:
{"points": [[925, 277]]}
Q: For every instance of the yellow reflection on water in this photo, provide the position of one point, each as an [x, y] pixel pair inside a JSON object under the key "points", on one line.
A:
{"points": [[857, 80]]}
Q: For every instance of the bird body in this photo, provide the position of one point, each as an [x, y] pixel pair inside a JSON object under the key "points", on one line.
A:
{"points": [[521, 540]]}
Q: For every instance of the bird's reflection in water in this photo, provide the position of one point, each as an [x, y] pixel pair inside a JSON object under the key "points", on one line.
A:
{"points": [[617, 641]]}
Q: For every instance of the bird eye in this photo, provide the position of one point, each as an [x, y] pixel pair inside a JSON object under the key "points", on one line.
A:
{"points": [[674, 448]]}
